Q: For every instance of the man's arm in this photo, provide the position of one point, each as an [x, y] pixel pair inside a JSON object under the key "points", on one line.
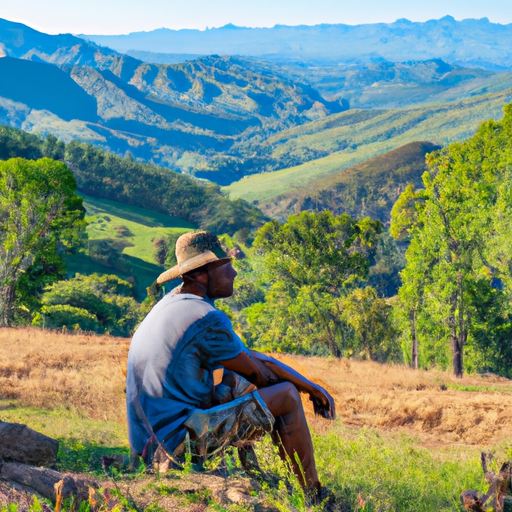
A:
{"points": [[263, 371], [250, 367], [323, 402]]}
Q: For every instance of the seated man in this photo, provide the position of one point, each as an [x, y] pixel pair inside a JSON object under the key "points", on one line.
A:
{"points": [[170, 383]]}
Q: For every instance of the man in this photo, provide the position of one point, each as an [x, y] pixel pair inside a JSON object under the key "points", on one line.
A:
{"points": [[170, 393]]}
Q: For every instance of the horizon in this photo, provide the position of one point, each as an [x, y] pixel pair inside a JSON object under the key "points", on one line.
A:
{"points": [[122, 17], [228, 26]]}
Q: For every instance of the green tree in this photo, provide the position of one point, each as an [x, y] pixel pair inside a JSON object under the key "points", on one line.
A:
{"points": [[371, 319], [458, 227], [100, 303], [309, 263], [40, 219], [53, 148]]}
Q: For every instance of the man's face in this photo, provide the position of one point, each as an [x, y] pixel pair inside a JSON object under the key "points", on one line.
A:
{"points": [[221, 277]]}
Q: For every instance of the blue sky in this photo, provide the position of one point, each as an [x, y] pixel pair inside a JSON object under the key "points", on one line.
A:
{"points": [[124, 16]]}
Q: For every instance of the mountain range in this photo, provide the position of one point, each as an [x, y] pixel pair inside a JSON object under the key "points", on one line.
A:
{"points": [[469, 43], [268, 131], [76, 89]]}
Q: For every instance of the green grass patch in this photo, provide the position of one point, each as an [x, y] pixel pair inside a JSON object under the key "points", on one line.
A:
{"points": [[82, 441], [393, 473], [478, 389], [136, 227], [132, 230]]}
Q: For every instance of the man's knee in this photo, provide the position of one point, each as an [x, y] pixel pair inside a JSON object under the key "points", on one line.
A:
{"points": [[283, 398], [291, 394]]}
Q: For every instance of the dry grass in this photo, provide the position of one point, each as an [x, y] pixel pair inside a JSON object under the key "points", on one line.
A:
{"points": [[442, 410], [48, 369], [86, 374]]}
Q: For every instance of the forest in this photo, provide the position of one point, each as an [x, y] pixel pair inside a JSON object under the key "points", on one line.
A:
{"points": [[433, 291]]}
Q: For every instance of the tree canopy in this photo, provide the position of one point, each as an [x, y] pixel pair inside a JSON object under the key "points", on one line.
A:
{"points": [[40, 218], [457, 281]]}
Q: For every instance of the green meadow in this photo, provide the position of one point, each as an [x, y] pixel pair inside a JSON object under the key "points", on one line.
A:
{"points": [[130, 231]]}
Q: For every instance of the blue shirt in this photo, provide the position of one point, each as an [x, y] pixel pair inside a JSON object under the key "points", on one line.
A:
{"points": [[170, 366]]}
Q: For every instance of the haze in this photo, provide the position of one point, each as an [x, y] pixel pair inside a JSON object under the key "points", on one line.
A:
{"points": [[124, 16]]}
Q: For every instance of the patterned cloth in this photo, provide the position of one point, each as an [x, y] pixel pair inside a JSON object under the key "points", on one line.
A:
{"points": [[230, 424]]}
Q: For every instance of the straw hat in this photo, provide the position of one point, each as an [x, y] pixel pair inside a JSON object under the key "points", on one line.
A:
{"points": [[193, 250]]}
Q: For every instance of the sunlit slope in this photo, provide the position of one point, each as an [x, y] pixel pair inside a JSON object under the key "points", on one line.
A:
{"points": [[357, 135], [369, 188], [121, 241]]}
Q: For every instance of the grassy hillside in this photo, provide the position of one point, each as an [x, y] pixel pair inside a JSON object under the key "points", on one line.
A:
{"points": [[405, 440], [367, 189], [357, 135], [121, 242]]}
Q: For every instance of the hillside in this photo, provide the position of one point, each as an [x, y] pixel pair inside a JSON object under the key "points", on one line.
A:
{"points": [[107, 176], [340, 141], [370, 188], [469, 43], [121, 241]]}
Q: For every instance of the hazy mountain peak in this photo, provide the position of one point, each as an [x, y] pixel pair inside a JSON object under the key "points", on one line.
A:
{"points": [[468, 42]]}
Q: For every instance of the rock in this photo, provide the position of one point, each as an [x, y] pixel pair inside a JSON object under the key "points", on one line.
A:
{"points": [[18, 443]]}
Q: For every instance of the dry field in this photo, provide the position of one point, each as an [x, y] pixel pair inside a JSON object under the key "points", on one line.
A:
{"points": [[438, 408], [47, 369], [85, 373]]}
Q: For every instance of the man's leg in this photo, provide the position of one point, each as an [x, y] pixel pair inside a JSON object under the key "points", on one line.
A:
{"points": [[283, 401]]}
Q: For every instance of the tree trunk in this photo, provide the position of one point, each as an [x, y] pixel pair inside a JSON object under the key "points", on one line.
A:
{"points": [[458, 367], [414, 341]]}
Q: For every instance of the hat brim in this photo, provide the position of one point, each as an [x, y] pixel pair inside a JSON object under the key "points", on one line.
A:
{"points": [[189, 265]]}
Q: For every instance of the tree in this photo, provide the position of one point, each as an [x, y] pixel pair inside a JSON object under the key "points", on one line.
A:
{"points": [[309, 263], [458, 228], [40, 219], [99, 303], [53, 148], [371, 319]]}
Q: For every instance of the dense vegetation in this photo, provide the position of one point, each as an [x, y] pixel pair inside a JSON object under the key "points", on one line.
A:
{"points": [[105, 175], [366, 189], [458, 279], [40, 219]]}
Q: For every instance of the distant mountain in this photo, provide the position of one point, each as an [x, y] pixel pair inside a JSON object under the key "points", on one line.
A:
{"points": [[75, 89], [163, 58], [22, 42], [469, 43], [386, 84], [370, 188]]}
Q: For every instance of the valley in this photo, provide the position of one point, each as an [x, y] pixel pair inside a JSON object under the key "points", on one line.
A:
{"points": [[351, 137]]}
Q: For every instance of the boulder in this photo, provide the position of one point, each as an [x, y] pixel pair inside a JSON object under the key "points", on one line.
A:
{"points": [[18, 443]]}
